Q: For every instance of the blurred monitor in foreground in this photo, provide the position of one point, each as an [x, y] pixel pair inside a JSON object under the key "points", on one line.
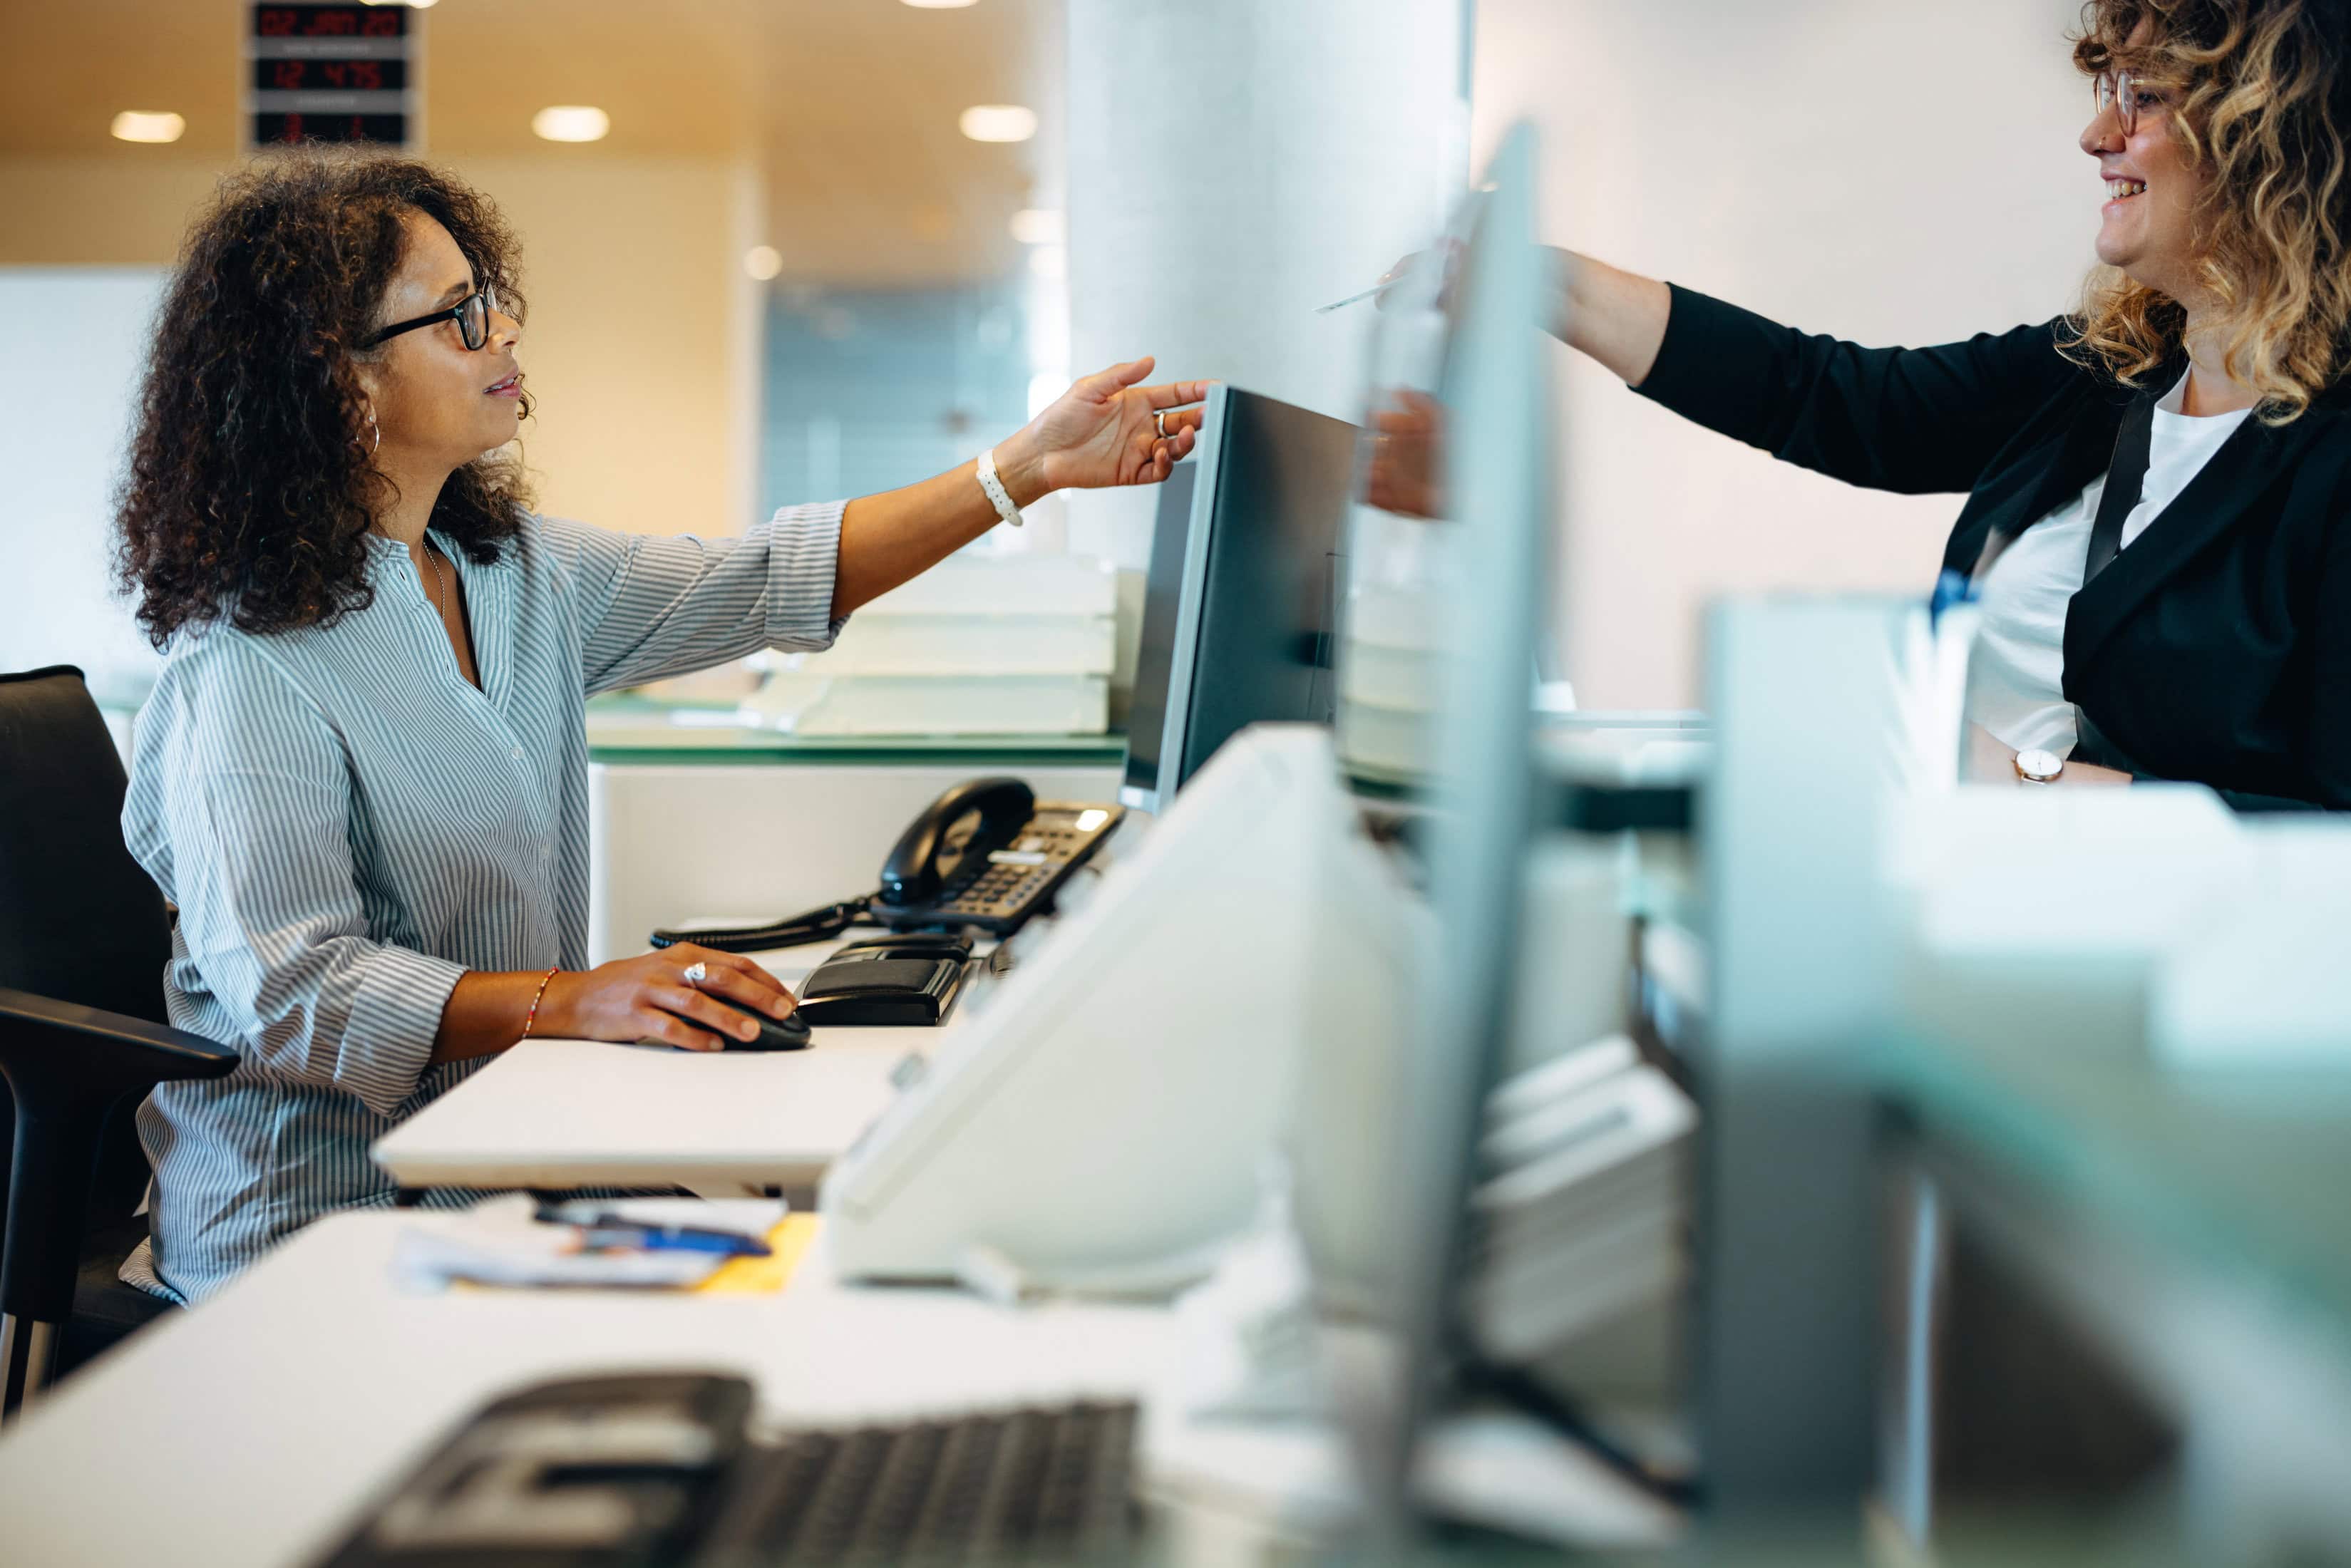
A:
{"points": [[1399, 1169], [1451, 562]]}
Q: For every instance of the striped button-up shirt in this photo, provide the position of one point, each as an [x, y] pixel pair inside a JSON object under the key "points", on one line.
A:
{"points": [[348, 825]]}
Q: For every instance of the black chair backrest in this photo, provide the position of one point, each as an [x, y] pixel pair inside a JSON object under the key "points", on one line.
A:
{"points": [[80, 919]]}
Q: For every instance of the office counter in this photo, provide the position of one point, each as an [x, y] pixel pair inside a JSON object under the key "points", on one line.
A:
{"points": [[694, 816], [250, 1432], [641, 731], [2195, 1224]]}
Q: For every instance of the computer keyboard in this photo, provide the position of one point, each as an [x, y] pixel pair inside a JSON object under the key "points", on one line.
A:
{"points": [[636, 1470], [1028, 1484]]}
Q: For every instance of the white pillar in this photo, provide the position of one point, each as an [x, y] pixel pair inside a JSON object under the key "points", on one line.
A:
{"points": [[1231, 165]]}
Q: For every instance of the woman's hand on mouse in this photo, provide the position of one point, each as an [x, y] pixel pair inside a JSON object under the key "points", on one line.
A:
{"points": [[649, 997]]}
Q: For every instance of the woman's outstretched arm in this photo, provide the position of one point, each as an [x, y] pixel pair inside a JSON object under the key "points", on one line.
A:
{"points": [[1099, 434], [1618, 318], [1913, 421]]}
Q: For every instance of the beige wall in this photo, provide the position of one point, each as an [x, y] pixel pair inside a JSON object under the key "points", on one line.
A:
{"points": [[1891, 171], [638, 340], [643, 344]]}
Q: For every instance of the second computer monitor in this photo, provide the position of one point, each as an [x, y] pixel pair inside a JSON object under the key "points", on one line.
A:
{"points": [[1242, 604]]}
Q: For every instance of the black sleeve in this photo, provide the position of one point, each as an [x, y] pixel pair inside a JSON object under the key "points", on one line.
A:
{"points": [[1916, 421]]}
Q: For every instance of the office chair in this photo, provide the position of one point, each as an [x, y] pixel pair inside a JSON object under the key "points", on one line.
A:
{"points": [[83, 939]]}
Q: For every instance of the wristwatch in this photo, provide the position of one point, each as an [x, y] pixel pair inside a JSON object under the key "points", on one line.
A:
{"points": [[2039, 767]]}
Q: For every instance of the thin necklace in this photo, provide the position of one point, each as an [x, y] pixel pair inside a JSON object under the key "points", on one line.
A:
{"points": [[441, 604]]}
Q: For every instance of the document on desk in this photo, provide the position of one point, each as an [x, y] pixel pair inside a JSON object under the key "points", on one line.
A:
{"points": [[500, 1244]]}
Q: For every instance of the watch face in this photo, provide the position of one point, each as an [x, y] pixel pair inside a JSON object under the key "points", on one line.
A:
{"points": [[2041, 766]]}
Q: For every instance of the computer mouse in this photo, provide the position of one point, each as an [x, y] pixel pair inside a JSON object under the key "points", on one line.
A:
{"points": [[774, 1034]]}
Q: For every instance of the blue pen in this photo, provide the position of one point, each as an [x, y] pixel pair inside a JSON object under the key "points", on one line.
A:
{"points": [[671, 1239], [602, 1228]]}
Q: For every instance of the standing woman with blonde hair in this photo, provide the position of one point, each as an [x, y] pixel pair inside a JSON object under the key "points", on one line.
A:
{"points": [[2158, 511], [362, 775]]}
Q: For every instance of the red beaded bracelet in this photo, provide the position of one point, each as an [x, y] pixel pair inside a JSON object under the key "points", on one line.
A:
{"points": [[532, 1017]]}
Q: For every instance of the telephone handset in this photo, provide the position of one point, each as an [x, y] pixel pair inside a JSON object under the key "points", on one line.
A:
{"points": [[968, 820], [987, 853]]}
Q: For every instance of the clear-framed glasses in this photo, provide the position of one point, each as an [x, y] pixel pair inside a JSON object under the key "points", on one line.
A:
{"points": [[2118, 90], [472, 315]]}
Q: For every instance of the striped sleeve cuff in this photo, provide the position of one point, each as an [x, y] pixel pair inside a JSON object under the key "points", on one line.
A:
{"points": [[394, 1017], [803, 560]]}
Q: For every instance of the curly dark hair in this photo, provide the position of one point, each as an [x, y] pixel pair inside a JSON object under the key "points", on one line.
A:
{"points": [[248, 493]]}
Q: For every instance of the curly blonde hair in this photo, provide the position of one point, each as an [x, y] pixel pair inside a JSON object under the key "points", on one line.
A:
{"points": [[2258, 90]]}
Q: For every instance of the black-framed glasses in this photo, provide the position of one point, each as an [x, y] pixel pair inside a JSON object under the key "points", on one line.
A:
{"points": [[472, 315], [2118, 90]]}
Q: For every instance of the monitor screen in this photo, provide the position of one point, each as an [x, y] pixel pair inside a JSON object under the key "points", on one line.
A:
{"points": [[1240, 615], [1154, 655]]}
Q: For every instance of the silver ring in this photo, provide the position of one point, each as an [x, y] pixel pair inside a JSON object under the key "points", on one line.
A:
{"points": [[697, 972], [1159, 422]]}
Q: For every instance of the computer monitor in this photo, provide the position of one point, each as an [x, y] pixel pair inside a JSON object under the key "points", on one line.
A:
{"points": [[1240, 610], [1460, 592]]}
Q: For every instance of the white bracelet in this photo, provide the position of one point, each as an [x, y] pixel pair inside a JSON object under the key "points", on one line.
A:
{"points": [[995, 489]]}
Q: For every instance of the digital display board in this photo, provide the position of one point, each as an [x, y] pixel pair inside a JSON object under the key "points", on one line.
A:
{"points": [[330, 76], [333, 73]]}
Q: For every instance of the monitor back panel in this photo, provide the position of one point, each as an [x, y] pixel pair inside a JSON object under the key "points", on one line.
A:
{"points": [[1273, 574]]}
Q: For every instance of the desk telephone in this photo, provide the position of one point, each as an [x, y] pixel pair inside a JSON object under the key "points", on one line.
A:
{"points": [[984, 857]]}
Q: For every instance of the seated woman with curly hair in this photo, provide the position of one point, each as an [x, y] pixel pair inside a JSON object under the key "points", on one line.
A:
{"points": [[2159, 512], [363, 774]]}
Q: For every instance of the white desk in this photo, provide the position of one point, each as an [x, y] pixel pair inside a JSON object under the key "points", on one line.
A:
{"points": [[568, 1112], [254, 1430]]}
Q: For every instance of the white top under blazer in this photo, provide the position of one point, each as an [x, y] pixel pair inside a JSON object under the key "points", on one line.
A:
{"points": [[2017, 672]]}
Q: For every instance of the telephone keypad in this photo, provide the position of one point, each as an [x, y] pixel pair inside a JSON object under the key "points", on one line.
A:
{"points": [[1002, 889]]}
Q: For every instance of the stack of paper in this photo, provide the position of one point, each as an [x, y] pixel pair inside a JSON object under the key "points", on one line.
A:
{"points": [[1010, 644], [1582, 1214]]}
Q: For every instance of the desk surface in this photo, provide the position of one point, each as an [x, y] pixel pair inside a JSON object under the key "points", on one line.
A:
{"points": [[253, 1429], [571, 1113]]}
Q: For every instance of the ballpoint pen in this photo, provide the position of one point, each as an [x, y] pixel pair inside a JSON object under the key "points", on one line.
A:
{"points": [[1336, 304], [670, 1238], [604, 1228]]}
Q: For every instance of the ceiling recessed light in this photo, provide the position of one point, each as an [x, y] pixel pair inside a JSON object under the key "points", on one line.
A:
{"points": [[571, 122], [147, 125], [998, 122], [412, 4], [1040, 225], [763, 262]]}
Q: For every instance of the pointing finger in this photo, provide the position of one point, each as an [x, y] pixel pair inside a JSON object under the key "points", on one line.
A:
{"points": [[1175, 394]]}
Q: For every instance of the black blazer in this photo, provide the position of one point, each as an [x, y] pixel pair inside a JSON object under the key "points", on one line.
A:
{"points": [[2216, 649]]}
